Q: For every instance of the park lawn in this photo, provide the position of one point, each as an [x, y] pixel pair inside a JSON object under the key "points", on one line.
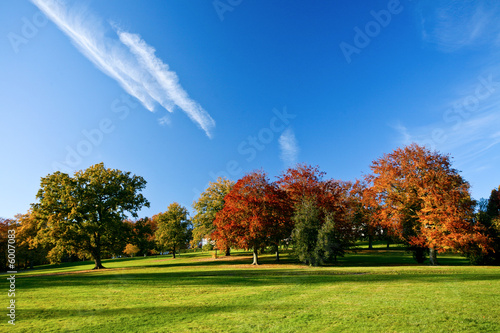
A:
{"points": [[379, 291]]}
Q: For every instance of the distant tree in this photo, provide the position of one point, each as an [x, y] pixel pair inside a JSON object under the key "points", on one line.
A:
{"points": [[5, 226], [256, 214], [174, 228], [131, 250], [421, 199], [211, 201], [488, 216], [30, 250], [84, 214], [143, 235]]}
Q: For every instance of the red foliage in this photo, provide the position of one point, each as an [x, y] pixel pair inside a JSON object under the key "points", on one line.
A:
{"points": [[255, 214]]}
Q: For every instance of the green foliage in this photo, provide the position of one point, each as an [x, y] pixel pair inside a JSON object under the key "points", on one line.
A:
{"points": [[488, 215], [305, 234], [206, 207], [84, 214], [174, 228], [318, 238]]}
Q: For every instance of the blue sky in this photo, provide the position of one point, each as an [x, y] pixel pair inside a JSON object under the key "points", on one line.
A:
{"points": [[180, 92]]}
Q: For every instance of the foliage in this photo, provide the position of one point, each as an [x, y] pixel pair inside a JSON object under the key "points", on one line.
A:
{"points": [[211, 201], [174, 228], [488, 216], [143, 235], [131, 250], [256, 214], [84, 214], [326, 216], [422, 200]]}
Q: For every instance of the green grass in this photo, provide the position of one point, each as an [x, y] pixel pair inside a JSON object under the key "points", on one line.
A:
{"points": [[369, 291]]}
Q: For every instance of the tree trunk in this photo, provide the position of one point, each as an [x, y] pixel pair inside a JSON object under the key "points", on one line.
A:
{"points": [[97, 252], [227, 251], [432, 256], [255, 257], [277, 254], [370, 242], [388, 242], [173, 253], [97, 261]]}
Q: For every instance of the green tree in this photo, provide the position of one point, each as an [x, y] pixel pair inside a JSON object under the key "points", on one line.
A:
{"points": [[84, 214], [488, 216], [174, 228], [211, 201]]}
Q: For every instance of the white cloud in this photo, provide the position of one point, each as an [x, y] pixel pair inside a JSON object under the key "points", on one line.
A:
{"points": [[451, 25], [289, 147], [167, 80], [134, 66]]}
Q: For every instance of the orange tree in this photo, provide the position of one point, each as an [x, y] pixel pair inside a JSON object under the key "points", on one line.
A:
{"points": [[422, 200], [256, 214]]}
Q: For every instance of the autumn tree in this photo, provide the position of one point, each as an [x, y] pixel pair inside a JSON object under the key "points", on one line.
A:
{"points": [[174, 228], [211, 201], [256, 214], [324, 214], [5, 226], [29, 248], [143, 235], [422, 200], [131, 250], [84, 214]]}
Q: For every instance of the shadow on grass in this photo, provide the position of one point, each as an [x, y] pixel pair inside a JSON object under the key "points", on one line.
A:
{"points": [[242, 277]]}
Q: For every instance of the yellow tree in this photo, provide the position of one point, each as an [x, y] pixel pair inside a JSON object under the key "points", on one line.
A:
{"points": [[424, 201], [206, 207]]}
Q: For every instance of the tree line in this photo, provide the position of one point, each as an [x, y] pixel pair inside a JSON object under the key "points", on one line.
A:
{"points": [[412, 195]]}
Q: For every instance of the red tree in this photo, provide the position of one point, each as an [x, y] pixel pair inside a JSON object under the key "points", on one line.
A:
{"points": [[256, 214]]}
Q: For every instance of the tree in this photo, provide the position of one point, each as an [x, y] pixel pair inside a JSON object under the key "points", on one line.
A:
{"points": [[174, 228], [143, 235], [211, 201], [421, 199], [29, 249], [488, 216], [325, 217], [131, 250], [256, 214], [5, 226], [84, 214]]}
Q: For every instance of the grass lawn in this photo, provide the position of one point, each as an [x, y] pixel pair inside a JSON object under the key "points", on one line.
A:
{"points": [[370, 291]]}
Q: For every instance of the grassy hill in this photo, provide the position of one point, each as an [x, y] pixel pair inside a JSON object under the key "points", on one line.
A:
{"points": [[370, 291]]}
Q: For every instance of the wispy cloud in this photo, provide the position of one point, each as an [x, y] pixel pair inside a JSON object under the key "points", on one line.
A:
{"points": [[451, 25], [469, 132], [289, 147], [128, 60]]}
